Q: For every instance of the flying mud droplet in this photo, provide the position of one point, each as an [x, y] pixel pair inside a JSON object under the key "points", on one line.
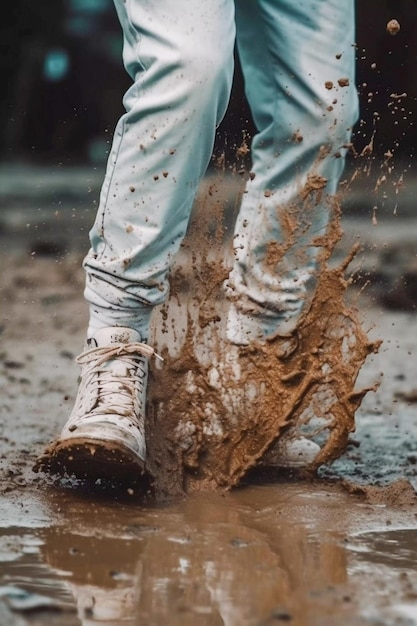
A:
{"points": [[393, 27], [243, 149], [343, 82], [297, 137]]}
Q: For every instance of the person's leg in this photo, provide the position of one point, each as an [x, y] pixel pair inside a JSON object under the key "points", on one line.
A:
{"points": [[298, 62], [180, 57], [297, 59]]}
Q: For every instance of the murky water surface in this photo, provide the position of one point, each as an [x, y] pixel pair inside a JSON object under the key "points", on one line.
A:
{"points": [[263, 555]]}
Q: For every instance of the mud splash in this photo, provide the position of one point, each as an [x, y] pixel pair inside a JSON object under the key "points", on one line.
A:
{"points": [[215, 412]]}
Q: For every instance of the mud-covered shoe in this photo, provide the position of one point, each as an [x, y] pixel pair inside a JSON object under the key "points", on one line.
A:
{"points": [[230, 387], [291, 451], [105, 434]]}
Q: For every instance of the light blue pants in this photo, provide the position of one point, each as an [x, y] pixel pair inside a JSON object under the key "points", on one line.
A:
{"points": [[297, 58]]}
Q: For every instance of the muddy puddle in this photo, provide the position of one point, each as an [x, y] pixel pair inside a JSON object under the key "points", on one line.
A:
{"points": [[262, 555], [334, 549]]}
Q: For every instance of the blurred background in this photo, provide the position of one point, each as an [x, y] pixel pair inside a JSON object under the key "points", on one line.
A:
{"points": [[62, 86], [62, 80]]}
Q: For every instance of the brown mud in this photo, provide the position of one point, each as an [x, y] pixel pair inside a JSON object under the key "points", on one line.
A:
{"points": [[335, 548], [205, 433]]}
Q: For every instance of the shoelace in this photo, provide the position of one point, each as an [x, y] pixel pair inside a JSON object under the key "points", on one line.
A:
{"points": [[110, 352], [127, 386]]}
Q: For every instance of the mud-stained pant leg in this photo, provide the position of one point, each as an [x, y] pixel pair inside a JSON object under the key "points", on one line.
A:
{"points": [[297, 58], [180, 57]]}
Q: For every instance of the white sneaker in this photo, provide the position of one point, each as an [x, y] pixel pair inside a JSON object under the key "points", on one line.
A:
{"points": [[291, 451], [105, 434]]}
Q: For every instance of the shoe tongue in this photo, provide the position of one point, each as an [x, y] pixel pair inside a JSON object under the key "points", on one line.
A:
{"points": [[115, 334]]}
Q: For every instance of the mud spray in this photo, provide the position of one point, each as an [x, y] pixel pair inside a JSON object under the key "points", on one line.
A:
{"points": [[215, 411]]}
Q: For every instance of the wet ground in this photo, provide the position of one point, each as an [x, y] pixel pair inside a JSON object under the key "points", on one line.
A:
{"points": [[340, 548]]}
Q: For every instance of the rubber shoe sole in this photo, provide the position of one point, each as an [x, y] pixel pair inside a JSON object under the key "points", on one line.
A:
{"points": [[92, 459]]}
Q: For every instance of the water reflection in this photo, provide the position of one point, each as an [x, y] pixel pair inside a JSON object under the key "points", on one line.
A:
{"points": [[246, 559], [207, 560]]}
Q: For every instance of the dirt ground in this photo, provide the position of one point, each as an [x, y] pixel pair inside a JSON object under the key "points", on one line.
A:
{"points": [[337, 548]]}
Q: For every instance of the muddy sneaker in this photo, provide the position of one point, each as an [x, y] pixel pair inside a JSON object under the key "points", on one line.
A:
{"points": [[235, 391], [291, 451], [105, 434]]}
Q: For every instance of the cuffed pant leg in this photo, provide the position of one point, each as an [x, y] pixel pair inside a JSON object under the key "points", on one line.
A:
{"points": [[180, 57]]}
